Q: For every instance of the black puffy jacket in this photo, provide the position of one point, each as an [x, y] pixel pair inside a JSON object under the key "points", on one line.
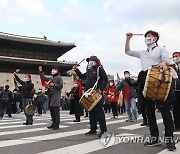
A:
{"points": [[91, 76]]}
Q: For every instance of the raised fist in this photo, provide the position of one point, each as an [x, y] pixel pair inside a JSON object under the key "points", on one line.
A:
{"points": [[40, 68]]}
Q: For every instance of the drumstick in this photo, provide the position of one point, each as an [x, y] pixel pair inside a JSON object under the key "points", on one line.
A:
{"points": [[138, 34], [17, 70], [80, 62]]}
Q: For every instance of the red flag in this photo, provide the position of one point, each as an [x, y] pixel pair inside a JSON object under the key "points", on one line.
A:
{"points": [[44, 83], [126, 95]]}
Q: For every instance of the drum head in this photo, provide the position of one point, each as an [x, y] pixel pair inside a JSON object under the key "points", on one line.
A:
{"points": [[30, 109]]}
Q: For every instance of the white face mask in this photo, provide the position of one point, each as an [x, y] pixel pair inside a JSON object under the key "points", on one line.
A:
{"points": [[53, 72], [111, 83], [91, 64], [39, 91], [75, 85], [26, 80], [126, 75], [176, 59], [149, 40]]}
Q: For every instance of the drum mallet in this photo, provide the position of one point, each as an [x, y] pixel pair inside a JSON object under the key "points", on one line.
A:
{"points": [[80, 62], [138, 34]]}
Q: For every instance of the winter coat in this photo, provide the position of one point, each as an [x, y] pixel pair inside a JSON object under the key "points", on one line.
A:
{"points": [[40, 97], [27, 88], [55, 93], [6, 98], [91, 76], [75, 101], [122, 86]]}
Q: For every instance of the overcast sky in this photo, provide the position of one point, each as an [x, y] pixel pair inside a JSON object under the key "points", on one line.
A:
{"points": [[97, 27]]}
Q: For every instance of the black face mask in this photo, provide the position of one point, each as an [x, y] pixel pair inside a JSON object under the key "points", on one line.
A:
{"points": [[55, 74]]}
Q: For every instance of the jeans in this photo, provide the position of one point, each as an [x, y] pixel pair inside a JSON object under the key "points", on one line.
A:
{"points": [[131, 109], [25, 102], [17, 107]]}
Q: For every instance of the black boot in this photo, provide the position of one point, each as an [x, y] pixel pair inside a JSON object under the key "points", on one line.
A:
{"points": [[55, 127], [91, 132], [50, 127], [144, 123]]}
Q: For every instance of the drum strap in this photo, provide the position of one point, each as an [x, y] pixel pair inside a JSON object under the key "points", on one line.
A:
{"points": [[97, 77], [95, 85], [30, 102], [174, 74]]}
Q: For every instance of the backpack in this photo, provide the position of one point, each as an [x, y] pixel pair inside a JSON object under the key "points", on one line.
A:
{"points": [[5, 97]]}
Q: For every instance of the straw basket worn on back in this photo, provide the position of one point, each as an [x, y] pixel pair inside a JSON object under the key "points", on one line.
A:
{"points": [[90, 99], [157, 84]]}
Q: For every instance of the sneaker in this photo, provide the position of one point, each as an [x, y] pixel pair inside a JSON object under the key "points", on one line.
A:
{"points": [[114, 117], [171, 146], [27, 123], [76, 121], [91, 132], [133, 120], [153, 143], [128, 120]]}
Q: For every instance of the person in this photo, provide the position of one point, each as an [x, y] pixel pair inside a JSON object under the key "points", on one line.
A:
{"points": [[107, 106], [45, 103], [27, 89], [140, 98], [129, 95], [39, 101], [76, 93], [64, 103], [6, 98], [154, 55], [112, 99], [54, 84], [176, 88], [93, 71], [17, 100]]}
